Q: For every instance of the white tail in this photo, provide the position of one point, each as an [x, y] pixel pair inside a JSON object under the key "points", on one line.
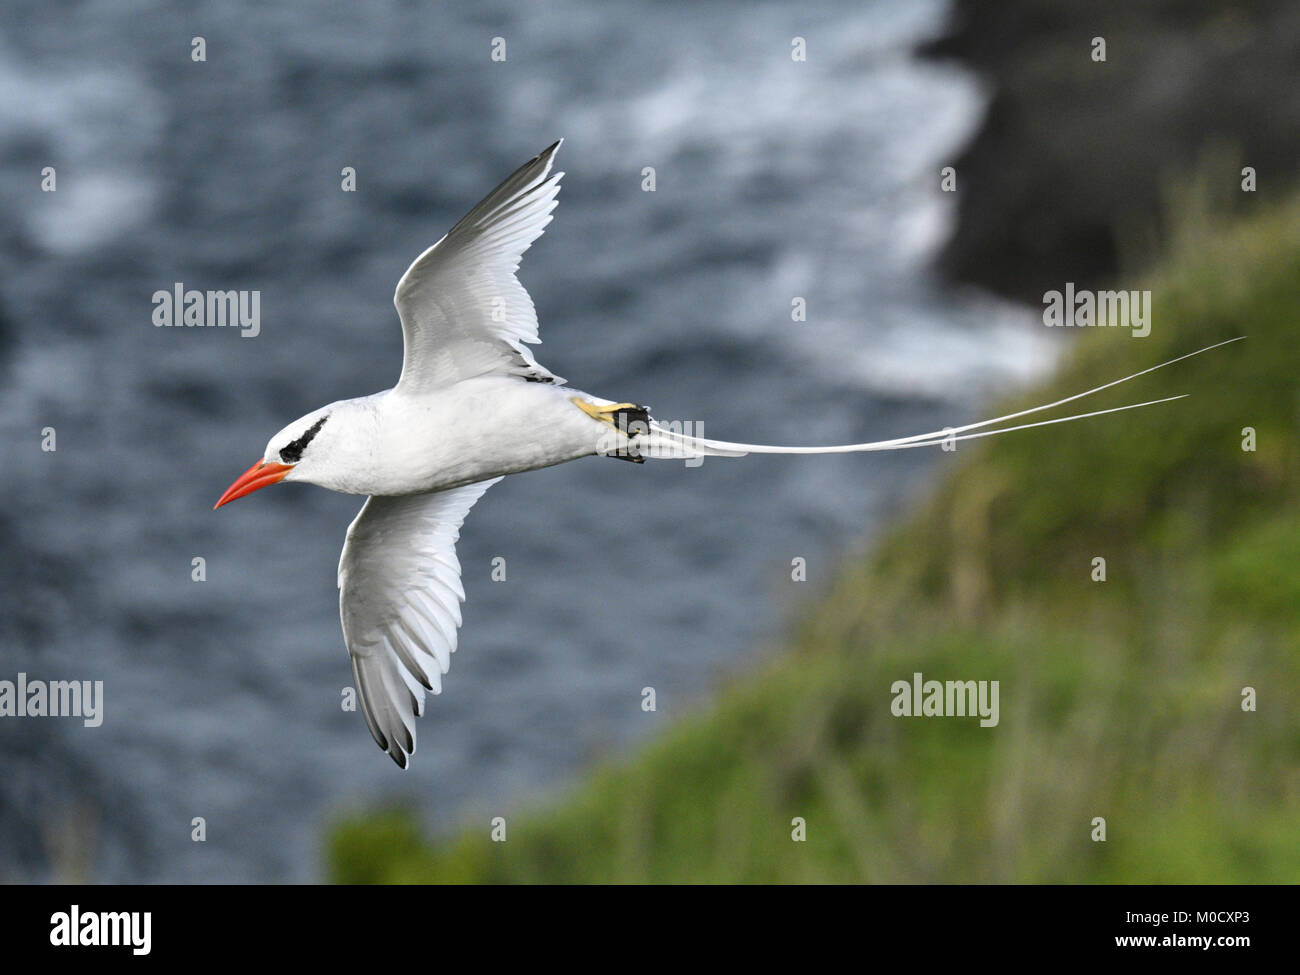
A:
{"points": [[664, 443]]}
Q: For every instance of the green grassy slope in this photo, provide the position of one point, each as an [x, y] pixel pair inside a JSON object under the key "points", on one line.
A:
{"points": [[1119, 699]]}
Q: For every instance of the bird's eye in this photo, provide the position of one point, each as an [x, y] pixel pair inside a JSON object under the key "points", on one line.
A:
{"points": [[292, 453]]}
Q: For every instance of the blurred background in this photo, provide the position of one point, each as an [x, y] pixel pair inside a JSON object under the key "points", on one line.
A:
{"points": [[775, 179]]}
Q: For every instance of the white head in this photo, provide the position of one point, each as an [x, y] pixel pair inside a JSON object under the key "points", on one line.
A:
{"points": [[315, 448]]}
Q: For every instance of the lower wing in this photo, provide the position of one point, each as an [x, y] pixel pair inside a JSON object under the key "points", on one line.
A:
{"points": [[399, 600]]}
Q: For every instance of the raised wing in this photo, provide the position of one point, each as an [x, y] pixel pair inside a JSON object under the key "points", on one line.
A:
{"points": [[463, 311], [399, 599]]}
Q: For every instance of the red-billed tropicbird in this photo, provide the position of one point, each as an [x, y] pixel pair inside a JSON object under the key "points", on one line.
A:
{"points": [[472, 405]]}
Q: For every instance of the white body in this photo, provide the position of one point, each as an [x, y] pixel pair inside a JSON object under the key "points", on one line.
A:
{"points": [[395, 443]]}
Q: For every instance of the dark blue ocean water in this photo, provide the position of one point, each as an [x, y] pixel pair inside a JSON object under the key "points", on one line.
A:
{"points": [[775, 179]]}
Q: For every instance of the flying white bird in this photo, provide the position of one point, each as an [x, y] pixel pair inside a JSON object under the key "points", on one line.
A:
{"points": [[472, 405]]}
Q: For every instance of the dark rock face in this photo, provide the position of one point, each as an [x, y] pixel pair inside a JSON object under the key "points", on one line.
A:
{"points": [[1076, 159]]}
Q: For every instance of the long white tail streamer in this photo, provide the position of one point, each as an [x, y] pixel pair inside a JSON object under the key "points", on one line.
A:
{"points": [[663, 442]]}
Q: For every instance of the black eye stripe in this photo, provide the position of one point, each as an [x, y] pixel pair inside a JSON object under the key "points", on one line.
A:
{"points": [[292, 453]]}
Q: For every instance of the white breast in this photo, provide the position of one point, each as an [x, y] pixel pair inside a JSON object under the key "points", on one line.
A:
{"points": [[474, 430]]}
